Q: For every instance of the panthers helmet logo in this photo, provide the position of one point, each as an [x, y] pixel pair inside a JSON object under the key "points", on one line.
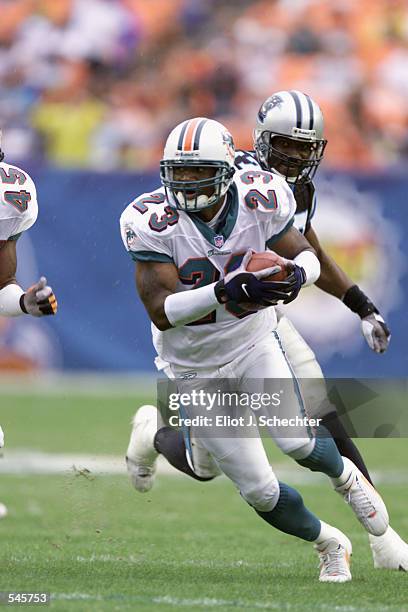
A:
{"points": [[269, 105]]}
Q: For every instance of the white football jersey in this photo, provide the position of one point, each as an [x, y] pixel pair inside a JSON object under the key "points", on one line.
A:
{"points": [[18, 202], [304, 194], [260, 208]]}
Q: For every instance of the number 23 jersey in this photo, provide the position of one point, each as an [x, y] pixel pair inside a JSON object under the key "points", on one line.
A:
{"points": [[258, 211]]}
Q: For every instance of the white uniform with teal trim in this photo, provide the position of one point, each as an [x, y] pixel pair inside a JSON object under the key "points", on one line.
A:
{"points": [[259, 209], [18, 202], [298, 352], [306, 201]]}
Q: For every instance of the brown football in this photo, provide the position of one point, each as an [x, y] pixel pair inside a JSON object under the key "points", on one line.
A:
{"points": [[268, 259]]}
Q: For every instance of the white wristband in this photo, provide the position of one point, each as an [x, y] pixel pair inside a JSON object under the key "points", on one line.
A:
{"points": [[188, 306], [10, 300], [311, 265]]}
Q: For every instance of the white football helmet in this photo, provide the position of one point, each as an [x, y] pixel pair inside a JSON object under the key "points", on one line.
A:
{"points": [[293, 119], [198, 142]]}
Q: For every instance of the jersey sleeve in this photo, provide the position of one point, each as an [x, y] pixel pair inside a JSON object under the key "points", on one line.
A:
{"points": [[276, 207], [139, 241], [18, 202]]}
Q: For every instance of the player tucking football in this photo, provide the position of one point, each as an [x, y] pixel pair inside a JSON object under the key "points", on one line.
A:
{"points": [[191, 242]]}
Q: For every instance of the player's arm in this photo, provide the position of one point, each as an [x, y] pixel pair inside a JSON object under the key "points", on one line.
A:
{"points": [[37, 301], [332, 278], [295, 247], [336, 282], [303, 264], [156, 283]]}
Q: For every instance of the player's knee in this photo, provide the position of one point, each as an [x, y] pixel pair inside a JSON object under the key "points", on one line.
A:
{"points": [[263, 496], [297, 448]]}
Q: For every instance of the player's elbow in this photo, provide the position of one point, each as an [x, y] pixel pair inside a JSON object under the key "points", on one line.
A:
{"points": [[162, 324], [160, 320]]}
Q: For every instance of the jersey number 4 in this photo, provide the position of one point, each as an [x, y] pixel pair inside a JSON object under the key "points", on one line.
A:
{"points": [[18, 199]]}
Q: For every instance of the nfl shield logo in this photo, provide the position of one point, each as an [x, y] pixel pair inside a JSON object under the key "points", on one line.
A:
{"points": [[219, 241]]}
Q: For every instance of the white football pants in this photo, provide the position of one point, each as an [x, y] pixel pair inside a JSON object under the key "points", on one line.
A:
{"points": [[305, 367], [242, 457]]}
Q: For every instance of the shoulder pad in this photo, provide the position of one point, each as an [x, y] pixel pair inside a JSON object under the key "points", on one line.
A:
{"points": [[245, 159], [18, 201], [147, 222]]}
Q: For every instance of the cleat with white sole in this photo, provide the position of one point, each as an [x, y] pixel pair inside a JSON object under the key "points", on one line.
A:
{"points": [[389, 551], [141, 455], [335, 558], [365, 501]]}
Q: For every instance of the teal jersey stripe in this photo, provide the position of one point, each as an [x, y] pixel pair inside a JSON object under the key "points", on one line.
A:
{"points": [[276, 237], [15, 237], [150, 256]]}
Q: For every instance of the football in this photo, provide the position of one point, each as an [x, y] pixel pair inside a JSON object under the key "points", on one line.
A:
{"points": [[267, 259]]}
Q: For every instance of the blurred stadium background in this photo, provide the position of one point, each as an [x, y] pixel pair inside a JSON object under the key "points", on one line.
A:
{"points": [[89, 90]]}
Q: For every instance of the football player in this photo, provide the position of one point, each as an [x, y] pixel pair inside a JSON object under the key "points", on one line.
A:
{"points": [[191, 241], [289, 141], [18, 212]]}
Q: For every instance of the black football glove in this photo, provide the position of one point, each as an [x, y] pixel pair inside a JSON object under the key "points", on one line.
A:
{"points": [[242, 286]]}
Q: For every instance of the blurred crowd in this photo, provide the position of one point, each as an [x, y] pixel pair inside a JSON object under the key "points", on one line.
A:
{"points": [[99, 83]]}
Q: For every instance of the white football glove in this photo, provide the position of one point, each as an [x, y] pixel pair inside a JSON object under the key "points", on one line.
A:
{"points": [[1, 437], [39, 300], [376, 332]]}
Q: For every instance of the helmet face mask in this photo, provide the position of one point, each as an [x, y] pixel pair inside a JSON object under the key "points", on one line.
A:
{"points": [[193, 195], [294, 158], [288, 136], [198, 164]]}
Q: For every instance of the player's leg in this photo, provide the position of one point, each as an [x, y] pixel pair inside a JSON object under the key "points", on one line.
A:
{"points": [[389, 550], [151, 436], [244, 461], [306, 368], [316, 453]]}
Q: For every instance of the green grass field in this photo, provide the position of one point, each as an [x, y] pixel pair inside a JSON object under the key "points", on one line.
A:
{"points": [[96, 544]]}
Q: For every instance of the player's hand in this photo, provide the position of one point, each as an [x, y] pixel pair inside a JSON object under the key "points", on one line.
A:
{"points": [[39, 300], [1, 437], [242, 286], [376, 332], [288, 289]]}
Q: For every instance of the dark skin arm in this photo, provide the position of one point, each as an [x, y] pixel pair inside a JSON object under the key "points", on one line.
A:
{"points": [[8, 262], [291, 244], [332, 279], [154, 282]]}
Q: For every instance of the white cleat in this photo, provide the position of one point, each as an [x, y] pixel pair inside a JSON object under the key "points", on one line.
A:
{"points": [[141, 455], [389, 551], [335, 558], [365, 501], [3, 510]]}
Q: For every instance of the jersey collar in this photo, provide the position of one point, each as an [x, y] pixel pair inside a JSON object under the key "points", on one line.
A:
{"points": [[226, 221]]}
